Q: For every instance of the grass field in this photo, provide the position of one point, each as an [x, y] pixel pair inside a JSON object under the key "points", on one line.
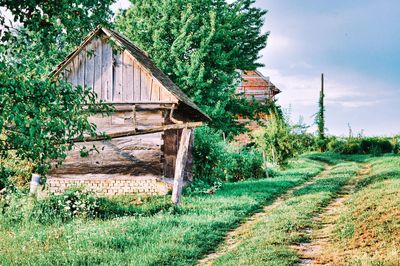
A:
{"points": [[269, 241], [168, 237], [154, 234], [368, 229]]}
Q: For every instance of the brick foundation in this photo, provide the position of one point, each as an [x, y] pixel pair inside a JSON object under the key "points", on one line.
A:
{"points": [[110, 186]]}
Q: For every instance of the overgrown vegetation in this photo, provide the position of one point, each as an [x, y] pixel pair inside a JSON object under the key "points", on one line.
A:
{"points": [[40, 117], [269, 241], [367, 231], [320, 119], [154, 235], [216, 159]]}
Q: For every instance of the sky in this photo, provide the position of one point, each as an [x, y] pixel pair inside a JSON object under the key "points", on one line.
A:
{"points": [[356, 44]]}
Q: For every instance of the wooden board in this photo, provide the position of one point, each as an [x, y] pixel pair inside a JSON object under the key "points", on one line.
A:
{"points": [[123, 121], [106, 72], [135, 156], [145, 86], [89, 66], [136, 82], [98, 68], [115, 76], [127, 82]]}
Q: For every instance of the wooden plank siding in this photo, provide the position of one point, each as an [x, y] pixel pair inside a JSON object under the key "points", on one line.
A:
{"points": [[114, 76], [129, 156]]}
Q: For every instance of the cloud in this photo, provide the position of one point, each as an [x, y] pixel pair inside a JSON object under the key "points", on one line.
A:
{"points": [[358, 55]]}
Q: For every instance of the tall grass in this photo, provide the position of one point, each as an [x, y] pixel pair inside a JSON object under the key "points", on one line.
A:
{"points": [[173, 237], [269, 241], [368, 229]]}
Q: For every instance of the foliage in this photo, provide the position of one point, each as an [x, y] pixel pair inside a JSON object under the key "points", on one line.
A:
{"points": [[39, 116], [200, 44], [42, 33], [216, 159], [320, 119], [275, 140], [18, 208], [73, 203], [362, 145]]}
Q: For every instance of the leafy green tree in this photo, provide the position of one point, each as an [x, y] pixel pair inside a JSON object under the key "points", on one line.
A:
{"points": [[200, 44], [39, 116]]}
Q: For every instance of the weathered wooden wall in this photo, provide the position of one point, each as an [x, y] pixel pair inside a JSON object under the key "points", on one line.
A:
{"points": [[129, 156], [115, 76]]}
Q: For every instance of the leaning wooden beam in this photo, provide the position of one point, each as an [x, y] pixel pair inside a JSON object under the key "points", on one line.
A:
{"points": [[128, 133], [180, 164]]}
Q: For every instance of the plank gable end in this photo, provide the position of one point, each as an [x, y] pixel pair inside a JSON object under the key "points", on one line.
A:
{"points": [[115, 75]]}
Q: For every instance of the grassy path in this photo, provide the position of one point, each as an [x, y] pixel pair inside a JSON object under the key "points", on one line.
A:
{"points": [[234, 237], [366, 229], [311, 253], [270, 239], [168, 237]]}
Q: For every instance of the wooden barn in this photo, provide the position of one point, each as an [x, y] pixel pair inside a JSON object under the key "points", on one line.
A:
{"points": [[255, 84], [151, 128]]}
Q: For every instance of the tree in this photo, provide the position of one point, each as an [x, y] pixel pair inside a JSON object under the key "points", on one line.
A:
{"points": [[40, 116], [320, 118], [200, 44], [275, 140]]}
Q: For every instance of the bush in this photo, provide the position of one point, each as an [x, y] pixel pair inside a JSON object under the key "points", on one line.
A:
{"points": [[362, 145], [5, 175], [216, 159], [305, 142], [64, 207], [18, 207]]}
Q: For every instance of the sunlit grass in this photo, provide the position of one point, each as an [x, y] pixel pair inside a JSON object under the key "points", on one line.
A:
{"points": [[169, 237]]}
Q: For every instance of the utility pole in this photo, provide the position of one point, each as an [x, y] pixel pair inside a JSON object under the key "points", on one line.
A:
{"points": [[322, 129], [320, 117]]}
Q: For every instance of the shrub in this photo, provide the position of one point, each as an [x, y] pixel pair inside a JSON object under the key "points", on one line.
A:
{"points": [[305, 142], [216, 159], [64, 207], [5, 174], [275, 140], [18, 207], [243, 163], [362, 145], [396, 144]]}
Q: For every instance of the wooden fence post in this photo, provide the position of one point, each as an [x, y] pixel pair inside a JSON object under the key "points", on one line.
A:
{"points": [[180, 164]]}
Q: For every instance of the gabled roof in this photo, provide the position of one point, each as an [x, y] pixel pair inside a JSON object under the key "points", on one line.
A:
{"points": [[141, 57]]}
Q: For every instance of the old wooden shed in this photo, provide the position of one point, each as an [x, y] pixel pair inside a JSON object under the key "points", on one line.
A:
{"points": [[151, 128]]}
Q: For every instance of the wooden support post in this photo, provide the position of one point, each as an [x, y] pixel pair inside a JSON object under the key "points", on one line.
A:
{"points": [[180, 164], [134, 117]]}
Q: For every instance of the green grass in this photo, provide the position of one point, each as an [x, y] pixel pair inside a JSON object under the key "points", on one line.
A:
{"points": [[168, 237], [269, 241], [368, 229]]}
